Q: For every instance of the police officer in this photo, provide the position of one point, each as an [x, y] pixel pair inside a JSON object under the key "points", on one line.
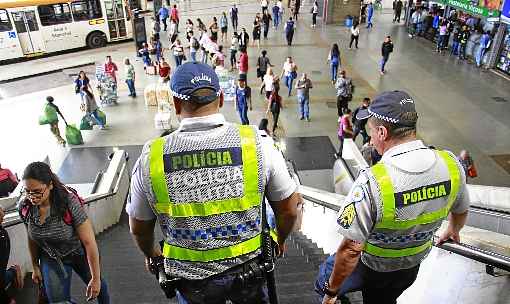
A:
{"points": [[394, 208], [204, 184]]}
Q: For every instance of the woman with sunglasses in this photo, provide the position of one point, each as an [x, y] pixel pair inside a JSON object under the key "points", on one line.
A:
{"points": [[60, 237]]}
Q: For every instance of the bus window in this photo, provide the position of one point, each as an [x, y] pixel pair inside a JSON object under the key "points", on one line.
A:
{"points": [[86, 10], [5, 23], [55, 14]]}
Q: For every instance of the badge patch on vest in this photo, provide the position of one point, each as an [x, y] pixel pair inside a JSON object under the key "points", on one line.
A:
{"points": [[357, 194], [425, 193], [190, 160], [347, 217]]}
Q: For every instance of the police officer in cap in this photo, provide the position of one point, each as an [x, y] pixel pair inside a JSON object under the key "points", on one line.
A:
{"points": [[394, 208], [205, 183]]}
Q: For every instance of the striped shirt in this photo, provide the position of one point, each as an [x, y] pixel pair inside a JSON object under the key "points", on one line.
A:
{"points": [[54, 236]]}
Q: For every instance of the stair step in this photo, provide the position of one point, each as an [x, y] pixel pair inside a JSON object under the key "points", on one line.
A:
{"points": [[292, 287], [299, 298], [305, 276], [293, 268]]}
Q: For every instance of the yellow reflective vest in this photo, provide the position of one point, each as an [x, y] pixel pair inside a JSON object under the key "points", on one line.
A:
{"points": [[389, 226]]}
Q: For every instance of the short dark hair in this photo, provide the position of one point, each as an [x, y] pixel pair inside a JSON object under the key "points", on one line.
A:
{"points": [[264, 52], [398, 130], [190, 106], [49, 99]]}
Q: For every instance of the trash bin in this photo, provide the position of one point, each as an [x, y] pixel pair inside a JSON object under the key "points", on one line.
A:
{"points": [[348, 21]]}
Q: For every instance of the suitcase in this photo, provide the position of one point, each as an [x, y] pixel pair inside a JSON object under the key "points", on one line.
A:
{"points": [[73, 135], [150, 95]]}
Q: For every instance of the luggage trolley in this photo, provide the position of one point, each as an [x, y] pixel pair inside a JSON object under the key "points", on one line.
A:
{"points": [[106, 86]]}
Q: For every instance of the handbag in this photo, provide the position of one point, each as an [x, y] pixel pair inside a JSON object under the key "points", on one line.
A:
{"points": [[293, 74], [472, 171]]}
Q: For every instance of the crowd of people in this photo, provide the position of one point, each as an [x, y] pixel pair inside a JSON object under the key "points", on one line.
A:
{"points": [[430, 23]]}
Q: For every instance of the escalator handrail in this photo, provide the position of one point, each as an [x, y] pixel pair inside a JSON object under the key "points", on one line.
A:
{"points": [[349, 171], [484, 256], [18, 220]]}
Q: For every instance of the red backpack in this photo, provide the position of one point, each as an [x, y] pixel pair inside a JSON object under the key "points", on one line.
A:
{"points": [[24, 211]]}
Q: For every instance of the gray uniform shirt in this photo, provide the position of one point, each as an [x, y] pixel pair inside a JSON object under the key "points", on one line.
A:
{"points": [[412, 157]]}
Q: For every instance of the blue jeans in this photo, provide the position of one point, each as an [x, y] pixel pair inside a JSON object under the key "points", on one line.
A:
{"points": [[455, 48], [441, 40], [384, 60], [131, 86], [178, 60], [304, 106], [275, 20], [334, 71], [243, 114], [369, 22], [57, 279], [479, 56], [288, 82], [95, 117], [193, 56], [462, 51], [419, 27], [204, 57]]}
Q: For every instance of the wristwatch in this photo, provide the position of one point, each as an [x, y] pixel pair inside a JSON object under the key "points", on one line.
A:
{"points": [[328, 291]]}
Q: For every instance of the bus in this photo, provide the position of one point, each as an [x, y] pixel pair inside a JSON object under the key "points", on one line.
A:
{"points": [[31, 28]]}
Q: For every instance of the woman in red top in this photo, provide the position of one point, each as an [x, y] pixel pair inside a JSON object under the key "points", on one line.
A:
{"points": [[164, 70], [275, 104]]}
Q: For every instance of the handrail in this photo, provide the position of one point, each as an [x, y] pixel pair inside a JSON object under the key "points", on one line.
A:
{"points": [[18, 220], [347, 167], [484, 256]]}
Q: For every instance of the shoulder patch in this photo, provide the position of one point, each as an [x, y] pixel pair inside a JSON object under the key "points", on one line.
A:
{"points": [[358, 194], [347, 217]]}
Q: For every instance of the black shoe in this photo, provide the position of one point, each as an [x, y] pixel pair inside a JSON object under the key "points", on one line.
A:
{"points": [[302, 118]]}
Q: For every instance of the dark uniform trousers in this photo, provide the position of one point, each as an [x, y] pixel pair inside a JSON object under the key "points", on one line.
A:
{"points": [[220, 288], [376, 287], [5, 248]]}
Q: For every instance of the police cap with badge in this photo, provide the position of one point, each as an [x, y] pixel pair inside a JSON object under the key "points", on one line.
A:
{"points": [[392, 107], [191, 77]]}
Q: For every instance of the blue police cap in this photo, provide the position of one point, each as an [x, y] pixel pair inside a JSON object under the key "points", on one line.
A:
{"points": [[192, 76], [390, 107]]}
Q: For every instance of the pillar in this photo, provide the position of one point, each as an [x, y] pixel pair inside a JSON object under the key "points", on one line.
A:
{"points": [[336, 11]]}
